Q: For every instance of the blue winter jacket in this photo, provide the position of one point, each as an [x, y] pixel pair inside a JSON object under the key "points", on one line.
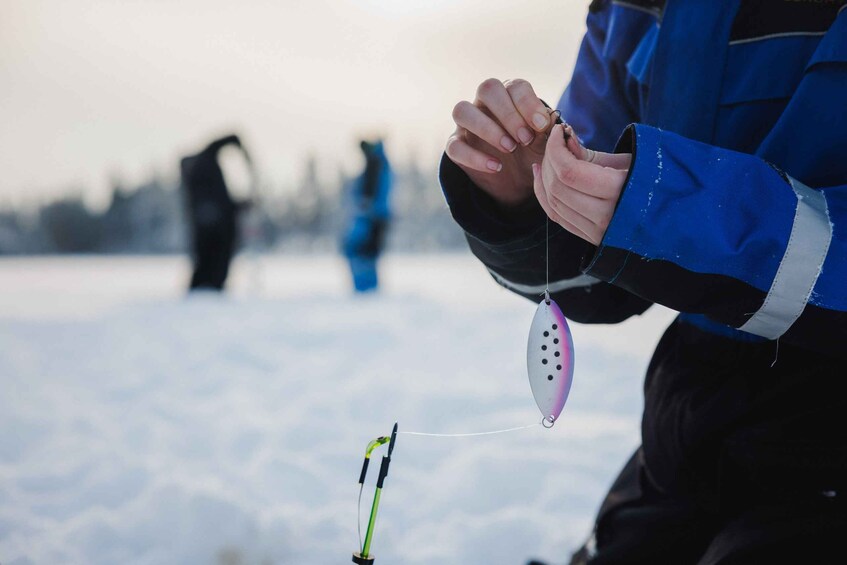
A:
{"points": [[368, 204], [734, 213], [372, 189], [735, 209]]}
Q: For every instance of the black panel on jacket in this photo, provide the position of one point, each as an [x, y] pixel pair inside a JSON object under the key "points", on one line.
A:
{"points": [[761, 18]]}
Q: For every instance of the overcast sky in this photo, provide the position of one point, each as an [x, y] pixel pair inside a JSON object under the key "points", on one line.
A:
{"points": [[93, 89]]}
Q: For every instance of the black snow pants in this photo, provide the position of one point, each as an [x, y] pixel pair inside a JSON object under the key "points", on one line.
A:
{"points": [[638, 524], [214, 245], [743, 460]]}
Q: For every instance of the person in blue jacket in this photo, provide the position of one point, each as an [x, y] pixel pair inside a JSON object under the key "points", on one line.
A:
{"points": [[368, 203], [709, 175]]}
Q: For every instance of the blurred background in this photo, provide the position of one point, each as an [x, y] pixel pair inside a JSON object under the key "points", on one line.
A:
{"points": [[100, 99], [141, 425]]}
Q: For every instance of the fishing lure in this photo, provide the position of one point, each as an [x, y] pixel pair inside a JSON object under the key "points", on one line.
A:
{"points": [[549, 359], [549, 349]]}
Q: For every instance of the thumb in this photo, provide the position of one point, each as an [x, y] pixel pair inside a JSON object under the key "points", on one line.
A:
{"points": [[620, 161], [561, 145], [575, 146]]}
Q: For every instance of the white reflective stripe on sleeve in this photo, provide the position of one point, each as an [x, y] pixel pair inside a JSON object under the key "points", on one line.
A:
{"points": [[557, 286], [798, 271], [776, 35]]}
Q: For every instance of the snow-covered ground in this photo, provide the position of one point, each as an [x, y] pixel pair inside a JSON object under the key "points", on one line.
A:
{"points": [[138, 426]]}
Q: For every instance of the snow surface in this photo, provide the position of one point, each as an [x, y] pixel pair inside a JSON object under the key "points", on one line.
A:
{"points": [[143, 427]]}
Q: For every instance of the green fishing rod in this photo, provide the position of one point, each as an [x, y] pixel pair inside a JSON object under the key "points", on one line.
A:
{"points": [[364, 557]]}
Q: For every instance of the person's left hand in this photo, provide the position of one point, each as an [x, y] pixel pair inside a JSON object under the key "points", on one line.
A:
{"points": [[579, 188]]}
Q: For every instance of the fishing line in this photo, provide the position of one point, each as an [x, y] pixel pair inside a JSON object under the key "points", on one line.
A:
{"points": [[381, 440], [547, 254], [471, 434], [359, 513], [776, 354]]}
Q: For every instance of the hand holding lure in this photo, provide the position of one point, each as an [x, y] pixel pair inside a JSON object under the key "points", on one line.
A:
{"points": [[549, 349]]}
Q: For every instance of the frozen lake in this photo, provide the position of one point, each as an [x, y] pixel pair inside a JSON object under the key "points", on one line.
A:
{"points": [[144, 427]]}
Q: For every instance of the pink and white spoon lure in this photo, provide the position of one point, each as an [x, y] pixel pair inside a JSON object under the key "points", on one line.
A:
{"points": [[550, 359]]}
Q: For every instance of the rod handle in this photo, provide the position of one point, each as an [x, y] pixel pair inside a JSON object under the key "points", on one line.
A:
{"points": [[383, 471], [364, 471]]}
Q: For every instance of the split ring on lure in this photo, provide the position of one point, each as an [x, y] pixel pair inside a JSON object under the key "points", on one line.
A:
{"points": [[550, 359]]}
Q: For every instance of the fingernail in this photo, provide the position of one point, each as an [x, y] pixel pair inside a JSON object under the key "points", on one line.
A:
{"points": [[494, 165], [535, 170], [539, 121], [508, 143], [525, 136]]}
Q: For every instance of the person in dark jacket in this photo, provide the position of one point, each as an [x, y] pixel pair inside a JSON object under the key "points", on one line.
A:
{"points": [[709, 176], [213, 214], [368, 206]]}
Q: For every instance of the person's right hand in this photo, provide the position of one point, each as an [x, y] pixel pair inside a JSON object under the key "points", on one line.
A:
{"points": [[498, 136]]}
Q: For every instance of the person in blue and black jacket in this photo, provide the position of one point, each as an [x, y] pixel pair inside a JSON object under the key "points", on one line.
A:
{"points": [[369, 214], [709, 175]]}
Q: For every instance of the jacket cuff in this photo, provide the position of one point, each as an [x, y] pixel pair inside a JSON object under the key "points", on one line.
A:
{"points": [[627, 223], [479, 215]]}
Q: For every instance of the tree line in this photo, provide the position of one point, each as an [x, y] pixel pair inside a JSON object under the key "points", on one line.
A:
{"points": [[150, 219]]}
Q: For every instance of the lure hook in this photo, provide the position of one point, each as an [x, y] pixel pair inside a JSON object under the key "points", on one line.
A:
{"points": [[558, 116]]}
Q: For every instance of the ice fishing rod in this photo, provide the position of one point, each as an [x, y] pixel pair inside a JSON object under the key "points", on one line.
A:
{"points": [[550, 366], [364, 557]]}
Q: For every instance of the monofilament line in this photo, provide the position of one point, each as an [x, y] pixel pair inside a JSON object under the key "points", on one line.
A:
{"points": [[427, 434], [547, 254], [471, 434], [359, 514]]}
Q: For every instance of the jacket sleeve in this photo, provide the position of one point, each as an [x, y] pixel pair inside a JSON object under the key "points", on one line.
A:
{"points": [[711, 231], [512, 243]]}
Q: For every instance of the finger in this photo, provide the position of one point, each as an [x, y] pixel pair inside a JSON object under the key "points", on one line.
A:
{"points": [[620, 161], [589, 178], [533, 111], [588, 214], [589, 230], [461, 153], [592, 208], [574, 230], [541, 196], [492, 95], [561, 197], [580, 227], [474, 120], [588, 223]]}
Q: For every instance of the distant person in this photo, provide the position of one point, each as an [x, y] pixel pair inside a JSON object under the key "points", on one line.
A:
{"points": [[368, 205], [212, 214]]}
